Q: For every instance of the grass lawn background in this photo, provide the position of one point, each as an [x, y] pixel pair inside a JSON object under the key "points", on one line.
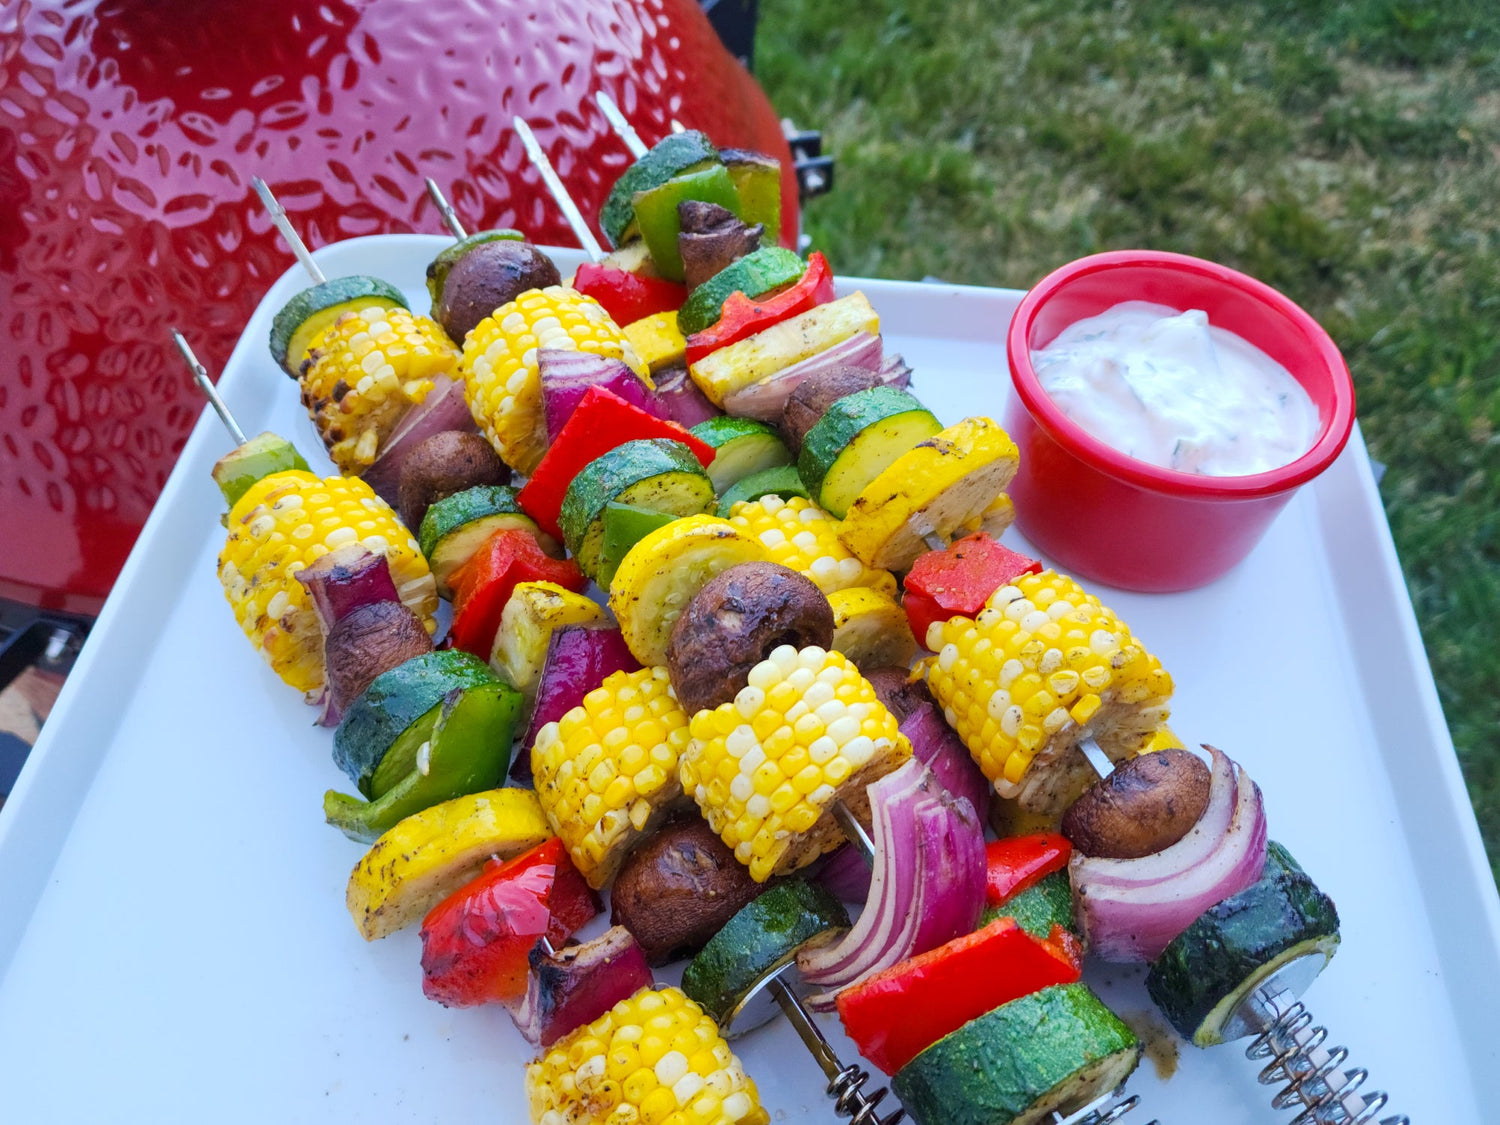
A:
{"points": [[1345, 153]]}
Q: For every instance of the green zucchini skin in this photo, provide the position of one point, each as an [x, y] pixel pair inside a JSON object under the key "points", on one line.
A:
{"points": [[394, 701], [742, 446], [1046, 903], [1058, 1048], [756, 273], [857, 437], [315, 299], [783, 480], [671, 156], [1212, 965], [652, 473], [457, 526], [762, 936]]}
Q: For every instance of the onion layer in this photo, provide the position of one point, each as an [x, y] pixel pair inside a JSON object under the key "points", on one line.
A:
{"points": [[927, 887], [938, 745], [1131, 909], [443, 409]]}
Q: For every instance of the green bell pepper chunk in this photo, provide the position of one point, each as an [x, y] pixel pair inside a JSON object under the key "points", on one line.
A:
{"points": [[467, 751], [656, 212], [625, 525]]}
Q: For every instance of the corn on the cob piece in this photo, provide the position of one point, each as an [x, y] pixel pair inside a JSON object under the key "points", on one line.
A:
{"points": [[654, 1059], [1043, 666], [282, 523], [766, 769], [800, 535], [607, 771], [499, 365], [364, 372]]}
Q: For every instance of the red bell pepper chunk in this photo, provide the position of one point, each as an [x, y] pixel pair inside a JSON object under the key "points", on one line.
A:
{"points": [[743, 317], [896, 1015], [626, 296], [602, 421], [485, 583], [958, 581], [1018, 862], [476, 942]]}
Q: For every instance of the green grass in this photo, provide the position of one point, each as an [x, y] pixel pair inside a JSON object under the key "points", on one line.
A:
{"points": [[1343, 152]]}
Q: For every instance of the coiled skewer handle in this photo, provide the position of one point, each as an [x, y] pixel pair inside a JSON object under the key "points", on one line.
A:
{"points": [[1105, 1111], [844, 1082], [1308, 1073]]}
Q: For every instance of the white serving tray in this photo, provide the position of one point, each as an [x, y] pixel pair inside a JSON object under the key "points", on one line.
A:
{"points": [[173, 939]]}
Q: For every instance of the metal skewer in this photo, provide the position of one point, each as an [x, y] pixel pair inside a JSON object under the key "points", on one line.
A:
{"points": [[200, 376], [1284, 1032], [623, 129], [445, 209], [288, 232], [560, 194]]}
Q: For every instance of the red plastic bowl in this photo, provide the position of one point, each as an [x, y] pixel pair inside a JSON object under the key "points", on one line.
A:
{"points": [[1120, 521]]}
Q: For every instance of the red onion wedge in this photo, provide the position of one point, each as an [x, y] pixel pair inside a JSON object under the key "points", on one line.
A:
{"points": [[443, 409], [937, 744], [340, 584], [578, 659], [578, 984], [894, 372], [681, 400], [566, 374], [1131, 909], [847, 875], [927, 887], [766, 399]]}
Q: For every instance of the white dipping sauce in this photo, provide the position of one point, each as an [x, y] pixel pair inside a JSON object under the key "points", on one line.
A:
{"points": [[1170, 389]]}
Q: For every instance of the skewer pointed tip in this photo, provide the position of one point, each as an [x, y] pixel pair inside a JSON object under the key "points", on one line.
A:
{"points": [[445, 209], [206, 385], [559, 193]]}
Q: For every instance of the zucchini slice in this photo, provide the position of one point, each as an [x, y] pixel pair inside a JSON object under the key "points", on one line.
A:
{"points": [[871, 629], [1055, 1050], [754, 275], [783, 481], [652, 473], [936, 488], [405, 697], [727, 975], [664, 572], [856, 439], [1209, 969], [673, 155], [741, 446], [1046, 903], [457, 526], [297, 325]]}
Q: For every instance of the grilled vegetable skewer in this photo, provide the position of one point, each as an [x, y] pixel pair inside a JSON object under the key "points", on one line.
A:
{"points": [[281, 518], [360, 356]]}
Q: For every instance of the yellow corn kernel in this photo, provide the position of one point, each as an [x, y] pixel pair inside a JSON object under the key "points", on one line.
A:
{"points": [[800, 535], [364, 372], [801, 711], [632, 723], [1043, 665], [500, 370], [685, 1073], [282, 523]]}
